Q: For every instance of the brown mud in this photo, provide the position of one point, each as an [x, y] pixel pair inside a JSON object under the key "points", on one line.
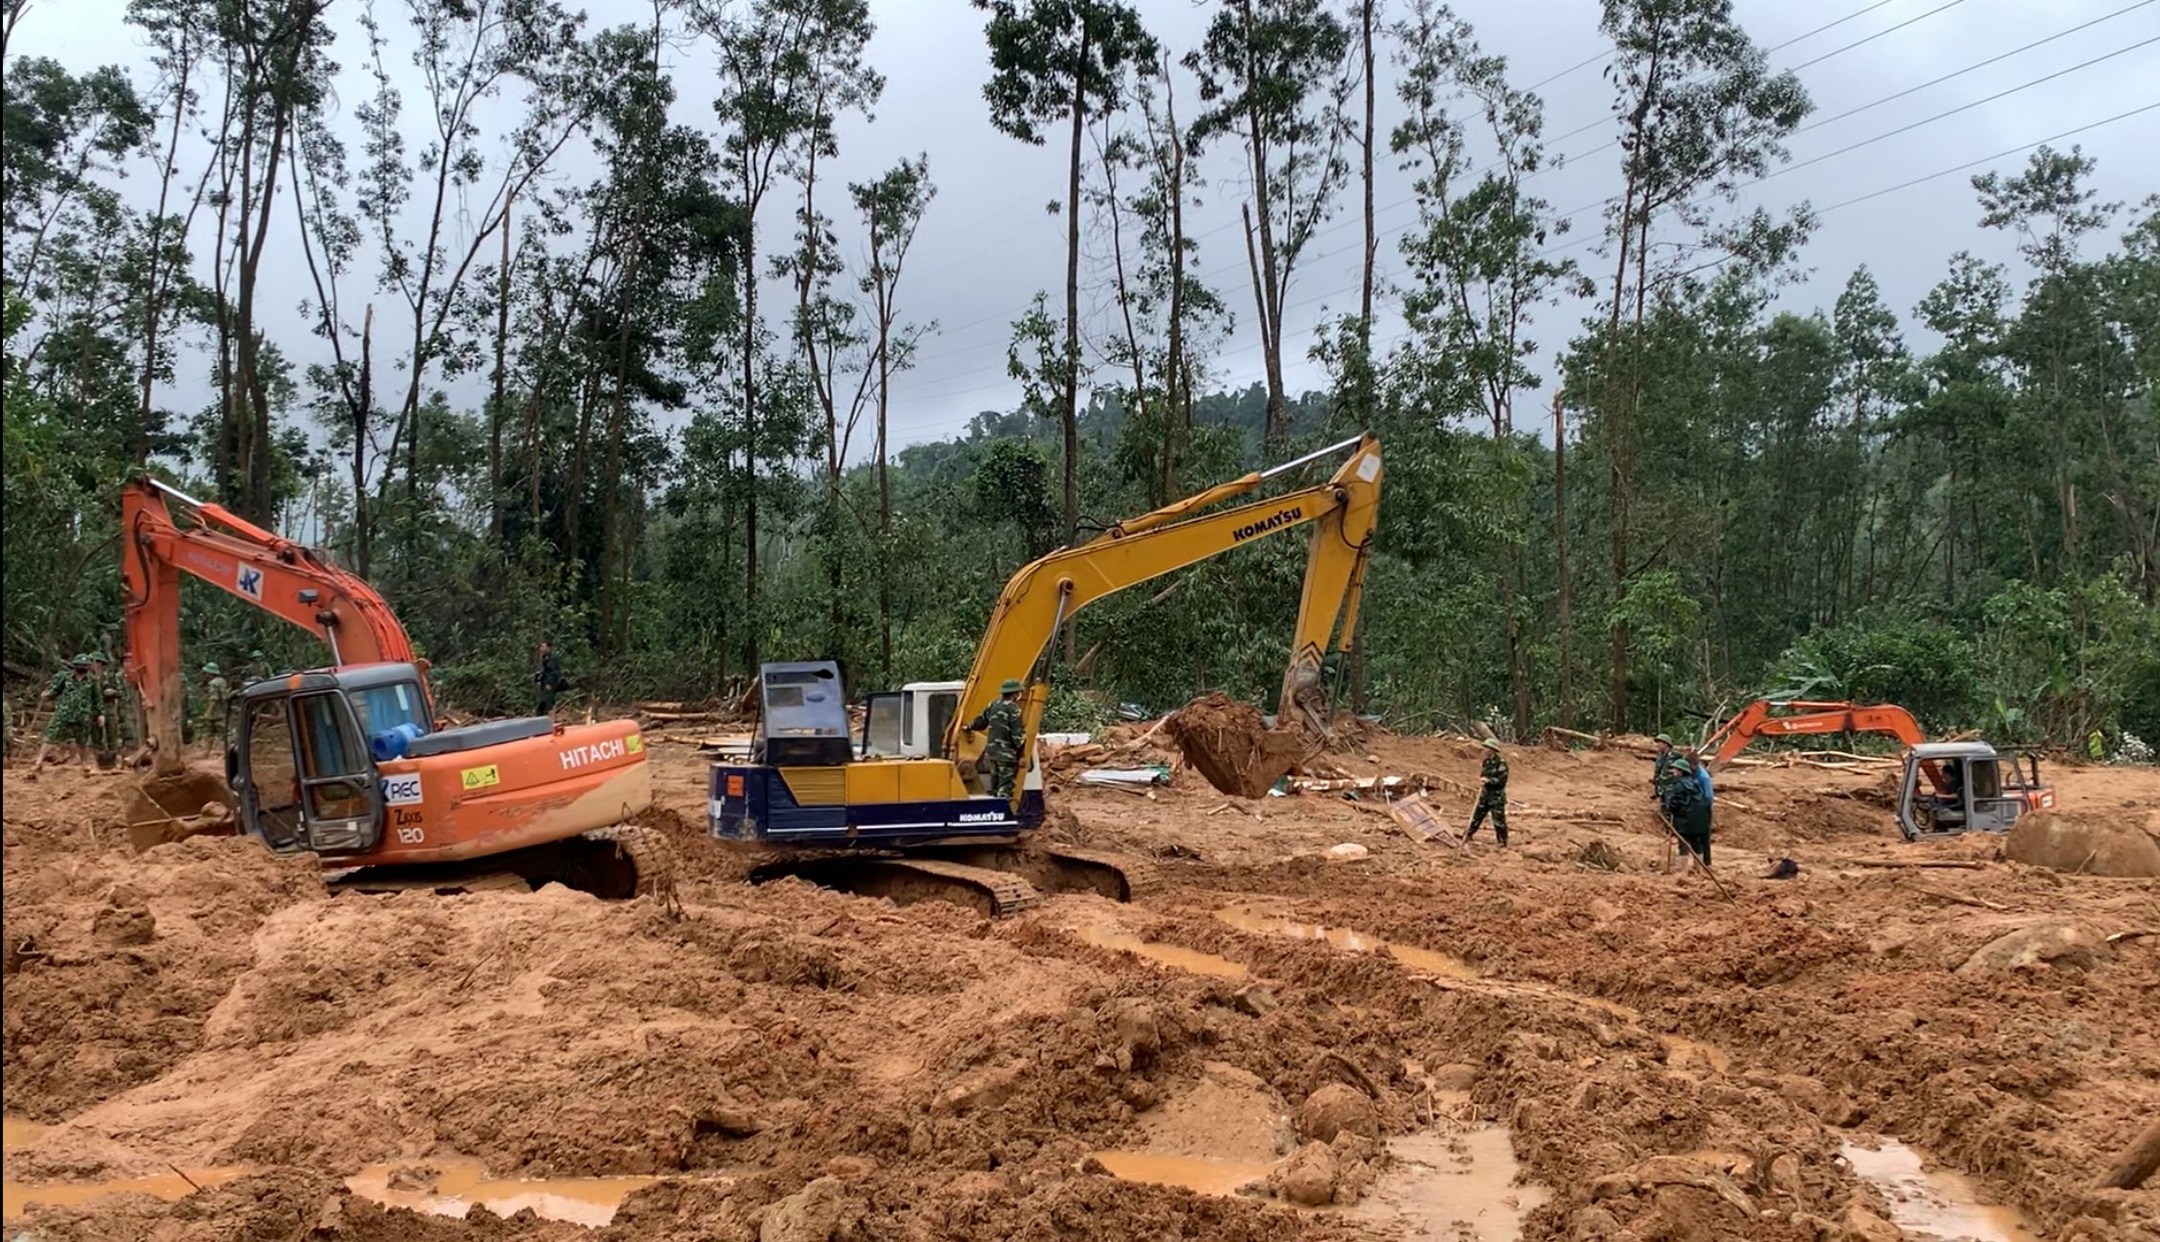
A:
{"points": [[1427, 1041], [1230, 744]]}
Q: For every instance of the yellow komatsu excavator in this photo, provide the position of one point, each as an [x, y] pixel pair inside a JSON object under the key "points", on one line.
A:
{"points": [[903, 811]]}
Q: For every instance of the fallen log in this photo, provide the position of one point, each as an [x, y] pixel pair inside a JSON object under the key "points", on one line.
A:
{"points": [[1555, 735], [2136, 1163], [1944, 894], [1944, 864]]}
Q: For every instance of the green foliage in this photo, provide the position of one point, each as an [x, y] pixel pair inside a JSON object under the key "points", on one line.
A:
{"points": [[1927, 667]]}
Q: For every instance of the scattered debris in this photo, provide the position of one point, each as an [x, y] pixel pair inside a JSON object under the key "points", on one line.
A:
{"points": [[1230, 745]]}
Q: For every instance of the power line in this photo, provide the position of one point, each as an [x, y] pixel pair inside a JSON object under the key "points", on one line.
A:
{"points": [[1951, 4], [1839, 206], [1902, 129], [1969, 68]]}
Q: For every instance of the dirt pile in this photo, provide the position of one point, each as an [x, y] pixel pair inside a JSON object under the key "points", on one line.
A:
{"points": [[2082, 845], [115, 963], [1230, 745]]}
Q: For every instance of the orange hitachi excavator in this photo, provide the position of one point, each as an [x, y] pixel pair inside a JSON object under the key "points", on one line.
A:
{"points": [[350, 761], [1971, 788]]}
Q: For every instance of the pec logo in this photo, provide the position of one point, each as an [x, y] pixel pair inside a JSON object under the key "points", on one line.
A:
{"points": [[250, 581]]}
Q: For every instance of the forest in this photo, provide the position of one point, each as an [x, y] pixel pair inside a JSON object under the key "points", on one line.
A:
{"points": [[603, 353]]}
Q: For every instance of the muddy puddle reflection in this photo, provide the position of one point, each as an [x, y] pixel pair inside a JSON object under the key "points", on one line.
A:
{"points": [[1431, 961], [1934, 1205], [439, 1188], [1199, 963], [1199, 1174]]}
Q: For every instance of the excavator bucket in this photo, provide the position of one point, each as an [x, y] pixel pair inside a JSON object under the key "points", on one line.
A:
{"points": [[1231, 745], [174, 806]]}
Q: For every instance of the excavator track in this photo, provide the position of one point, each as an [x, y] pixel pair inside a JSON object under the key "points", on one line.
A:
{"points": [[1130, 876], [613, 864], [905, 881]]}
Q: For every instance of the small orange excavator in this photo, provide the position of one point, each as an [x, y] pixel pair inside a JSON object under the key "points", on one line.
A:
{"points": [[1971, 787], [350, 761]]}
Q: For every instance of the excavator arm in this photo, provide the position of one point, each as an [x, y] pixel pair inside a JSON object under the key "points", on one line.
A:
{"points": [[1764, 718], [244, 560], [1046, 593]]}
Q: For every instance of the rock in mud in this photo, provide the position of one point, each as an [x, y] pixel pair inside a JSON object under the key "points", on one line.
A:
{"points": [[1593, 1224], [1335, 1108], [123, 925], [819, 1212], [2082, 846], [1228, 743], [1256, 1000], [2062, 945], [1308, 1178], [1862, 1225], [1139, 1033]]}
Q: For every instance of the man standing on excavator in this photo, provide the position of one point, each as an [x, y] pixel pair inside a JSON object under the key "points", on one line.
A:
{"points": [[1001, 752]]}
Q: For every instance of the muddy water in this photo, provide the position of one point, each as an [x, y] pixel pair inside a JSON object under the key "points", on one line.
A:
{"points": [[1459, 1186], [459, 1184], [1428, 960], [1934, 1205], [1199, 1174], [448, 1188], [1168, 954]]}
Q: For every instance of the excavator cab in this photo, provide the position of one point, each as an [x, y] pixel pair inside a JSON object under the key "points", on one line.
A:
{"points": [[1958, 787], [300, 769]]}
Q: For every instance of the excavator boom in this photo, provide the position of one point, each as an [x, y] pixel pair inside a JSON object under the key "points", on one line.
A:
{"points": [[1045, 594], [229, 552], [1795, 718]]}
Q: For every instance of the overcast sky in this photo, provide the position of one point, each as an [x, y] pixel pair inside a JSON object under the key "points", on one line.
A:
{"points": [[987, 244]]}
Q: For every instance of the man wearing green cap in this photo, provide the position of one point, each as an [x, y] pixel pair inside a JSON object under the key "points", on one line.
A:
{"points": [[107, 733], [217, 692], [1001, 753], [1660, 763], [1492, 799]]}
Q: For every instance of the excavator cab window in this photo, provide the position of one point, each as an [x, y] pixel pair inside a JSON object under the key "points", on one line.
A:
{"points": [[883, 724], [384, 708], [336, 774]]}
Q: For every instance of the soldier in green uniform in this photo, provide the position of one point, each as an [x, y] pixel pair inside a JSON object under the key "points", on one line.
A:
{"points": [[1492, 799], [1658, 766], [75, 703], [110, 733], [217, 692], [1001, 752]]}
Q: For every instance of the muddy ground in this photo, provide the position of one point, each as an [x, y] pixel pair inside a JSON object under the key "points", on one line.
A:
{"points": [[1555, 1041]]}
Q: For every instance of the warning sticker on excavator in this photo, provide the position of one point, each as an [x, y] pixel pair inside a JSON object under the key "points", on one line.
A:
{"points": [[480, 778], [636, 744]]}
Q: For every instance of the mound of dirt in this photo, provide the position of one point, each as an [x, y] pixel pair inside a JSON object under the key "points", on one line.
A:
{"points": [[2087, 846], [1230, 745]]}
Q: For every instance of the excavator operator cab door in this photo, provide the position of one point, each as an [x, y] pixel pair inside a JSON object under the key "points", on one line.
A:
{"points": [[300, 769], [1989, 807]]}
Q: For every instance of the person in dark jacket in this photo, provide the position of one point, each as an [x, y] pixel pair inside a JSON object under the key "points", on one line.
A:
{"points": [[1492, 798], [549, 678], [1689, 812]]}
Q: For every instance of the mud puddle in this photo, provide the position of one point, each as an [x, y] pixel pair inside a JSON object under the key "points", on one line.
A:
{"points": [[1245, 918], [446, 1188], [455, 1186], [1199, 963], [1459, 1186], [1199, 1174], [1934, 1205]]}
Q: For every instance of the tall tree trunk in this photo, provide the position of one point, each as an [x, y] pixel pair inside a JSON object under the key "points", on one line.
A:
{"points": [[502, 374], [363, 406], [1566, 713], [158, 276], [1072, 319], [1366, 373], [750, 424]]}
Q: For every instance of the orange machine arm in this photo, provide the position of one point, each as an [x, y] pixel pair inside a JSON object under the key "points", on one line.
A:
{"points": [[269, 571], [1804, 718]]}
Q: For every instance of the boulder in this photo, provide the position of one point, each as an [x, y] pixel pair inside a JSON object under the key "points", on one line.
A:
{"points": [[2083, 846], [1306, 1179], [1862, 1225], [819, 1212], [2061, 945], [1335, 1108]]}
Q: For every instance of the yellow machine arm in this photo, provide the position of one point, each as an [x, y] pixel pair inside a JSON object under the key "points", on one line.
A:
{"points": [[1047, 592]]}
